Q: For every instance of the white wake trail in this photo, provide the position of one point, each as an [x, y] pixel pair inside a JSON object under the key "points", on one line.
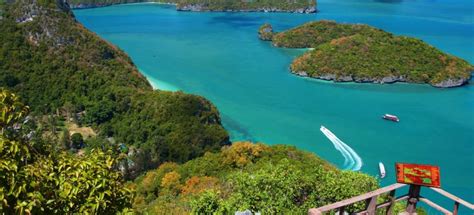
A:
{"points": [[348, 160], [350, 156]]}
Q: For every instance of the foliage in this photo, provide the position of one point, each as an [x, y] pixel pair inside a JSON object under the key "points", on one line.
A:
{"points": [[401, 206], [269, 179], [265, 32], [243, 153], [71, 184], [44, 183], [313, 34], [12, 111], [213, 5], [95, 83], [196, 185], [347, 52], [222, 5], [77, 140], [208, 202], [170, 183]]}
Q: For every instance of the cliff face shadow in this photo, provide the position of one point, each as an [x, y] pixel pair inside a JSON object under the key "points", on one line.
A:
{"points": [[236, 20]]}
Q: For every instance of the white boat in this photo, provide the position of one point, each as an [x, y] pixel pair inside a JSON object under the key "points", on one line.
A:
{"points": [[382, 170], [391, 117]]}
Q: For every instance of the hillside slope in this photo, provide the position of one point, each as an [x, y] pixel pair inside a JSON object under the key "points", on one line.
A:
{"points": [[248, 176], [361, 53], [56, 65]]}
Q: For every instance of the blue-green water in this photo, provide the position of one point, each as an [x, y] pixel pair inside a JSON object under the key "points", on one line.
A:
{"points": [[218, 56]]}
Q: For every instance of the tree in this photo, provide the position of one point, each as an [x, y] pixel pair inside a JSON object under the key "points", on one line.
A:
{"points": [[65, 139], [56, 183], [77, 141]]}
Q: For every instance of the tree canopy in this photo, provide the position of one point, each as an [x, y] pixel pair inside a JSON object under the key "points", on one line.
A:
{"points": [[57, 66], [53, 183], [246, 176], [361, 53]]}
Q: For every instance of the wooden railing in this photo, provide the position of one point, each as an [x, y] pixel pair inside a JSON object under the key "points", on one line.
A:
{"points": [[412, 197]]}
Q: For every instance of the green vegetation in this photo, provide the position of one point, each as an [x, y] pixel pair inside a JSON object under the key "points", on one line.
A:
{"points": [[360, 53], [75, 82], [77, 140], [36, 179], [57, 66], [253, 5], [101, 3], [265, 32], [270, 179], [313, 34], [302, 6], [2, 4]]}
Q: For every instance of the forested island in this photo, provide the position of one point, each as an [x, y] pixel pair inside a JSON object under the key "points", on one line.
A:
{"points": [[361, 53], [296, 6], [83, 132]]}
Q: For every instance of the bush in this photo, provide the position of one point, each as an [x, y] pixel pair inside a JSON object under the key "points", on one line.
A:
{"points": [[53, 183], [77, 141], [245, 176]]}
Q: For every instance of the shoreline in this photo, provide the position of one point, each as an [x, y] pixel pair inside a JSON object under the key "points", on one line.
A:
{"points": [[198, 8], [158, 84], [390, 80], [82, 6]]}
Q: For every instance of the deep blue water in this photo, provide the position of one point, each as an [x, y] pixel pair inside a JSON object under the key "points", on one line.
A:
{"points": [[218, 56]]}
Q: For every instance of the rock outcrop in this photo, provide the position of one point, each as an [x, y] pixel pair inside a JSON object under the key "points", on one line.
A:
{"points": [[451, 83], [265, 32]]}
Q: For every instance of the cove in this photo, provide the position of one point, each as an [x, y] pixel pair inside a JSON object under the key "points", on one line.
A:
{"points": [[219, 56]]}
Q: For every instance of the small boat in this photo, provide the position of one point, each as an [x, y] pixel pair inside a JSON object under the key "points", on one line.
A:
{"points": [[391, 117], [382, 170]]}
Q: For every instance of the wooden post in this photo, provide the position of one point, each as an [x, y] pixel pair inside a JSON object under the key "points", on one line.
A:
{"points": [[341, 210], [392, 198], [456, 208], [414, 194], [372, 205]]}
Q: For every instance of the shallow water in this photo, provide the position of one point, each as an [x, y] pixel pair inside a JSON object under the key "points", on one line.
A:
{"points": [[218, 56]]}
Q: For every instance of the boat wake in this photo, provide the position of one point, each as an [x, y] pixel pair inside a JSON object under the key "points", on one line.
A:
{"points": [[352, 161]]}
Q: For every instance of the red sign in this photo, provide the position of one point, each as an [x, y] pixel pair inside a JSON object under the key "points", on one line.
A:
{"points": [[424, 175]]}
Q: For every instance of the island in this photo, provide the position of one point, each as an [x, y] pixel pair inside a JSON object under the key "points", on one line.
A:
{"points": [[364, 54], [295, 6], [83, 132]]}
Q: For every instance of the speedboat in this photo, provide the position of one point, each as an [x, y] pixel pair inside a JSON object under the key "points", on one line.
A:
{"points": [[391, 117], [382, 170]]}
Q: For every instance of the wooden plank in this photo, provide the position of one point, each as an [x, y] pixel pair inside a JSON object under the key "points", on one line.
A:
{"points": [[453, 197], [357, 198], [435, 206], [314, 211]]}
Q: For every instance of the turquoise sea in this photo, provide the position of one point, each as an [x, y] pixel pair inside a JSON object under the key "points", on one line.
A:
{"points": [[218, 56]]}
